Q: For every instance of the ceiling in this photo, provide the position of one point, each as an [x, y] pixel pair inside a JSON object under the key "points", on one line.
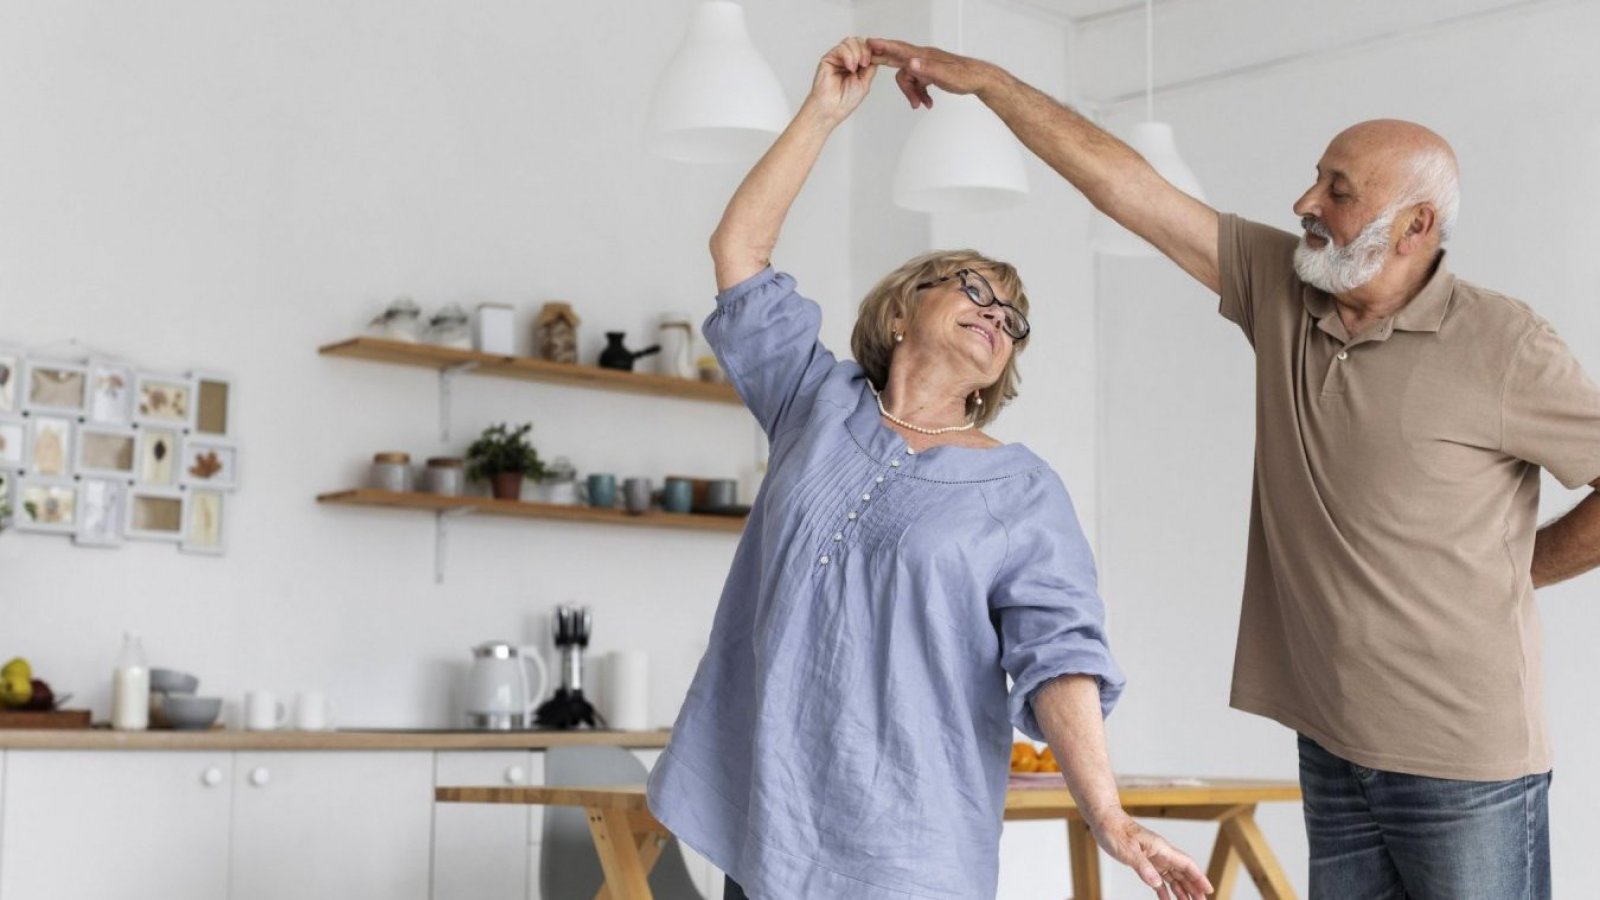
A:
{"points": [[1077, 10]]}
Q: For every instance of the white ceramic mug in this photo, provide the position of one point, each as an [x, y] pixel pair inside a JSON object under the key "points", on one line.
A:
{"points": [[312, 712], [264, 712]]}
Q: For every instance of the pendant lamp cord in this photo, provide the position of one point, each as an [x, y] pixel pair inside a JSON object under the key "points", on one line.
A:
{"points": [[1149, 61]]}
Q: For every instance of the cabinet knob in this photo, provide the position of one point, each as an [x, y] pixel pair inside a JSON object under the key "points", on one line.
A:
{"points": [[259, 776], [516, 775], [211, 777]]}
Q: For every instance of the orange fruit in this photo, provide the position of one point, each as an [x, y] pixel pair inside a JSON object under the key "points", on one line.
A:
{"points": [[1023, 757], [1047, 761]]}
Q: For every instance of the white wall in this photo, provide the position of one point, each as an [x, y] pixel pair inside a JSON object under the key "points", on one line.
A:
{"points": [[230, 185], [1515, 95]]}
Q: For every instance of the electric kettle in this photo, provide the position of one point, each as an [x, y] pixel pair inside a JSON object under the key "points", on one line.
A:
{"points": [[499, 696]]}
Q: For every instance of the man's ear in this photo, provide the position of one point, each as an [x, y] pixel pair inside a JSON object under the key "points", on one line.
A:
{"points": [[1420, 227]]}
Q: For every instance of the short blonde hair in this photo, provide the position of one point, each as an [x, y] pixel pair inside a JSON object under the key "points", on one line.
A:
{"points": [[895, 296]]}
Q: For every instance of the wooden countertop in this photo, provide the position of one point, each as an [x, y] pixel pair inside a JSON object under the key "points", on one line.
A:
{"points": [[373, 739]]}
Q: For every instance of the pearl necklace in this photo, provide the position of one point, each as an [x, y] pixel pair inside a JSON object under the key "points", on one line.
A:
{"points": [[917, 428]]}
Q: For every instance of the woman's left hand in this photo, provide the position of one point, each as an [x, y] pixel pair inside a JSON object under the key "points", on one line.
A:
{"points": [[843, 78], [1167, 870]]}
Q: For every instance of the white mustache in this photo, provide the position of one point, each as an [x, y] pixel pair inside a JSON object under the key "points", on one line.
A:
{"points": [[1314, 225]]}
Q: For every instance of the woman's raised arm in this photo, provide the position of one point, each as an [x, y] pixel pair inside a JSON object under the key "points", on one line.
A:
{"points": [[742, 244]]}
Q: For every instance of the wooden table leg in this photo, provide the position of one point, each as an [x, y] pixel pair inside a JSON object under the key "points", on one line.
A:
{"points": [[1223, 872], [650, 847], [1085, 855], [622, 855], [1251, 845]]}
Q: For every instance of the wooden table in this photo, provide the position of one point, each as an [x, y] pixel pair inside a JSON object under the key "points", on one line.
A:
{"points": [[1230, 803], [628, 838]]}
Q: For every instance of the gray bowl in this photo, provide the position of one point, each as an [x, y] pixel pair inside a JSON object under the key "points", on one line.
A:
{"points": [[186, 711], [171, 681]]}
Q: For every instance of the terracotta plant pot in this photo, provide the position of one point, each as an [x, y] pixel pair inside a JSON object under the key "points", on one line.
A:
{"points": [[506, 485]]}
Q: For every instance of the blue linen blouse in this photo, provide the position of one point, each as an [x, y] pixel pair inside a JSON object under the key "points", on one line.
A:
{"points": [[847, 735]]}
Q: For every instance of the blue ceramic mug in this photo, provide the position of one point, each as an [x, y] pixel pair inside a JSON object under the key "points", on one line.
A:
{"points": [[677, 495], [602, 490]]}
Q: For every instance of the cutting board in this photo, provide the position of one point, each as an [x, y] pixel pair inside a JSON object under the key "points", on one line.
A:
{"points": [[54, 718]]}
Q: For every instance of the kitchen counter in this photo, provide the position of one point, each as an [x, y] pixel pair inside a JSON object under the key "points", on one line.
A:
{"points": [[348, 739]]}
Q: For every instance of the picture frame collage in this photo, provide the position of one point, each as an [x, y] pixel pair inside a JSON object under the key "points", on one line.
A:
{"points": [[105, 452]]}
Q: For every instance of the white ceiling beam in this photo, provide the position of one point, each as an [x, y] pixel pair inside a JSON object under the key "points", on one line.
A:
{"points": [[1199, 42]]}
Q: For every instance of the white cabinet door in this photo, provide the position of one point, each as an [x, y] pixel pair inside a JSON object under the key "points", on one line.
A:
{"points": [[335, 825], [480, 850], [124, 824]]}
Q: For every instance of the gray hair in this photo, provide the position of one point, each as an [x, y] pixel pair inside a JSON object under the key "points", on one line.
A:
{"points": [[1436, 181]]}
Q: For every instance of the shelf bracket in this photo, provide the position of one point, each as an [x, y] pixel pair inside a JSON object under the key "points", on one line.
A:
{"points": [[447, 377], [440, 518]]}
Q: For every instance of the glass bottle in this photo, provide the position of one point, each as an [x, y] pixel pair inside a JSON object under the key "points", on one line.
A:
{"points": [[130, 687]]}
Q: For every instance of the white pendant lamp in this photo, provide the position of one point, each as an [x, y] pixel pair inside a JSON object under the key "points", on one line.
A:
{"points": [[1154, 141], [718, 101], [960, 158]]}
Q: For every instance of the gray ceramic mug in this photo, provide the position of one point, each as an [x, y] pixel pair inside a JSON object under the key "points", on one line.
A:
{"points": [[721, 492], [636, 493]]}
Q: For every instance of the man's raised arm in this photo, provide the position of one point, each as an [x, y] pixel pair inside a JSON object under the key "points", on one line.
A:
{"points": [[1108, 172]]}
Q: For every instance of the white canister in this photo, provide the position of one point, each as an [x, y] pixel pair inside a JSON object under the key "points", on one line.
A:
{"points": [[445, 475], [391, 471], [628, 690], [676, 338], [491, 328]]}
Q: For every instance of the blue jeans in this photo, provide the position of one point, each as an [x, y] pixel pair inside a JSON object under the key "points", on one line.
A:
{"points": [[1378, 835]]}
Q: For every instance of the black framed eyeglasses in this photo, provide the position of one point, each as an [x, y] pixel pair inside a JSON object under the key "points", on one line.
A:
{"points": [[979, 291]]}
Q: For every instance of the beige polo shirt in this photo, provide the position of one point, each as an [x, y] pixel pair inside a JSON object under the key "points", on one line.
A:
{"points": [[1388, 608]]}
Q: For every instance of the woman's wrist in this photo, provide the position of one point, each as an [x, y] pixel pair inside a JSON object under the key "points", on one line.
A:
{"points": [[1107, 821], [815, 115]]}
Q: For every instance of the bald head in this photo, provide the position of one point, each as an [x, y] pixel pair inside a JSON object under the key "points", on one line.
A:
{"points": [[1405, 163]]}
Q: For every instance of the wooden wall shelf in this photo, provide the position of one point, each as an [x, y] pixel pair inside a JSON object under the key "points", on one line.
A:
{"points": [[525, 368], [517, 509]]}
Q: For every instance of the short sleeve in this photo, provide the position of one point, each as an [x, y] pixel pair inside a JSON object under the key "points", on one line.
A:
{"points": [[765, 336], [1046, 603], [1255, 263], [1550, 410]]}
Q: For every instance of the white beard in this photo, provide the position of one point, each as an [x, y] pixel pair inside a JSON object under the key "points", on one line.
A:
{"points": [[1340, 270]]}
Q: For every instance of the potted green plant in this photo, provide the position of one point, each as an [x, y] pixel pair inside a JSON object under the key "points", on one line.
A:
{"points": [[502, 456]]}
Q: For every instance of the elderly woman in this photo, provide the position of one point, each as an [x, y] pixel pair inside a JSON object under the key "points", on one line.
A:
{"points": [[848, 732]]}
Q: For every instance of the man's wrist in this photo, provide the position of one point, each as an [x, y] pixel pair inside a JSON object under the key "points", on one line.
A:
{"points": [[994, 82]]}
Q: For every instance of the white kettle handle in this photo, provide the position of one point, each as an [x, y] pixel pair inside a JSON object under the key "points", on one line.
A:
{"points": [[535, 694]]}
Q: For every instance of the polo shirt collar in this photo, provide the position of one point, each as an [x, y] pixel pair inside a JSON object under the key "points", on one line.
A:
{"points": [[1427, 309], [1425, 312]]}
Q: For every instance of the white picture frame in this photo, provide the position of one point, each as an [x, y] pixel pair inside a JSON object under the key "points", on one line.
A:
{"points": [[55, 388], [45, 505], [209, 463], [205, 522], [8, 488], [102, 512], [50, 445], [11, 367], [159, 456], [215, 405], [14, 443], [155, 514], [110, 388], [106, 451], [163, 400]]}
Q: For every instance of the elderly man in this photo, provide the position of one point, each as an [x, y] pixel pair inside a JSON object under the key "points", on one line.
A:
{"points": [[1403, 416]]}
